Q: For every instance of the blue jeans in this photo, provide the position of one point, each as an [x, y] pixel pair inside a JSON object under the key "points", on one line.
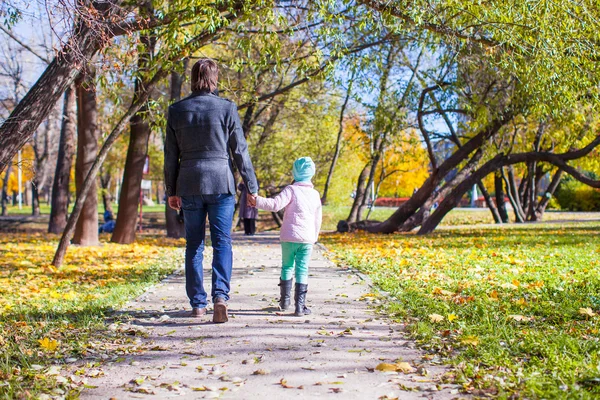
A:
{"points": [[219, 208]]}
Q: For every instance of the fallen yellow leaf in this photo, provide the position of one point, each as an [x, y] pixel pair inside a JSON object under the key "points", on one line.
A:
{"points": [[587, 311], [472, 340], [435, 318], [398, 367], [404, 367], [48, 344]]}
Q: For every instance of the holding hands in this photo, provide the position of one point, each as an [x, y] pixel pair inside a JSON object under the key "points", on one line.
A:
{"points": [[251, 200]]}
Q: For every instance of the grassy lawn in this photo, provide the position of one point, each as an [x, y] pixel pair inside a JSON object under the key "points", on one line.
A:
{"points": [[514, 309], [333, 214], [50, 317], [45, 209]]}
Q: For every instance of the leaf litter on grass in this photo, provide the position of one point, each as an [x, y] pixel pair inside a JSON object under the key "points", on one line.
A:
{"points": [[500, 304]]}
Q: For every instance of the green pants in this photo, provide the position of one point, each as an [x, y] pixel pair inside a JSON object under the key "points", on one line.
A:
{"points": [[298, 254]]}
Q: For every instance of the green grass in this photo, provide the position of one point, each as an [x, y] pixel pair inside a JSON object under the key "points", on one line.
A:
{"points": [[333, 214], [517, 307], [45, 209], [66, 307]]}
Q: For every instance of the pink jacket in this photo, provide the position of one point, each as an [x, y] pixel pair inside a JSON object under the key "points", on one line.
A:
{"points": [[302, 217]]}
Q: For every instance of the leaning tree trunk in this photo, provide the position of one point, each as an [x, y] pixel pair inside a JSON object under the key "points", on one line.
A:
{"points": [[175, 227], [86, 231], [64, 161], [194, 44], [516, 195], [360, 194], [20, 126], [541, 208], [500, 204], [137, 151], [4, 194], [452, 200], [425, 210], [489, 202], [408, 208]]}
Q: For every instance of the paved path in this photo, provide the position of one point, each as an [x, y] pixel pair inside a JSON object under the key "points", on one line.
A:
{"points": [[261, 353]]}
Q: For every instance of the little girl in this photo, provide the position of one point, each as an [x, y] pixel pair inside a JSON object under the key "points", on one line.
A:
{"points": [[300, 229]]}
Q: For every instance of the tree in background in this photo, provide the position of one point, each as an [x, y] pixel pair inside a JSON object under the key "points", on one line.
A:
{"points": [[64, 163]]}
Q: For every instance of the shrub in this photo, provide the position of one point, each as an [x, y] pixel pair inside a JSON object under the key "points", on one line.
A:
{"points": [[575, 196]]}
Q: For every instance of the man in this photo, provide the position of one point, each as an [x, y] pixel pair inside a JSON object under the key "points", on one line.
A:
{"points": [[202, 131]]}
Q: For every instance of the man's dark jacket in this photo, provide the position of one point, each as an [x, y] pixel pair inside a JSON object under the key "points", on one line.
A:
{"points": [[202, 129]]}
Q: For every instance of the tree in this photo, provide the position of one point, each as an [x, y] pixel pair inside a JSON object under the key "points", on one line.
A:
{"points": [[96, 24], [41, 143], [338, 142], [137, 150], [168, 57], [86, 231], [64, 162]]}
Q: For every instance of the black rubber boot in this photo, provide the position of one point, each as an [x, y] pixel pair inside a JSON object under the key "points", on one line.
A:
{"points": [[300, 298], [285, 288]]}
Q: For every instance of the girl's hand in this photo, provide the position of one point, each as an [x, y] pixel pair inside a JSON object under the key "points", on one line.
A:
{"points": [[252, 200]]}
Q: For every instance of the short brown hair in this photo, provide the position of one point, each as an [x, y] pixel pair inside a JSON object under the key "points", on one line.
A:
{"points": [[205, 74]]}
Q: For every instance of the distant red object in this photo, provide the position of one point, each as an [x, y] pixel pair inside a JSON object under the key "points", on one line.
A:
{"points": [[390, 201]]}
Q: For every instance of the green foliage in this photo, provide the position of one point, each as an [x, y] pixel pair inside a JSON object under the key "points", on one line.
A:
{"points": [[550, 48], [10, 14], [575, 196], [306, 126], [516, 310]]}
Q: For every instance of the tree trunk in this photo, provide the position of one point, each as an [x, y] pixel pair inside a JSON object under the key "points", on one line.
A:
{"points": [[408, 208], [20, 126], [360, 193], [64, 161], [500, 204], [4, 195], [175, 227], [137, 151], [452, 200], [489, 202], [89, 181], [516, 195], [338, 142], [541, 208], [35, 199], [105, 180], [514, 200], [129, 198], [424, 211], [86, 231]]}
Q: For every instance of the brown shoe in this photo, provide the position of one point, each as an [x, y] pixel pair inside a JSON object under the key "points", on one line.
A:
{"points": [[198, 312], [220, 311]]}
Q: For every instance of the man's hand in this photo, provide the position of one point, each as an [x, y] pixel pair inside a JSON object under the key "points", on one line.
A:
{"points": [[174, 202], [252, 199]]}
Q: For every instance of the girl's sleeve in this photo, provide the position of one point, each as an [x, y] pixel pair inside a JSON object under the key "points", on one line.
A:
{"points": [[276, 203], [318, 219]]}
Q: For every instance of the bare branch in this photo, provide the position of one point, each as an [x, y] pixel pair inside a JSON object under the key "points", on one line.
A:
{"points": [[26, 47]]}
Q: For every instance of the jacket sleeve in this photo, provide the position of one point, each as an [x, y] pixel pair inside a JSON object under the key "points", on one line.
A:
{"points": [[318, 220], [276, 203], [239, 149], [172, 153]]}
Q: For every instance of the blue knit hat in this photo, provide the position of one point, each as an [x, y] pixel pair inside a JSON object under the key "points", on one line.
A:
{"points": [[304, 169]]}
